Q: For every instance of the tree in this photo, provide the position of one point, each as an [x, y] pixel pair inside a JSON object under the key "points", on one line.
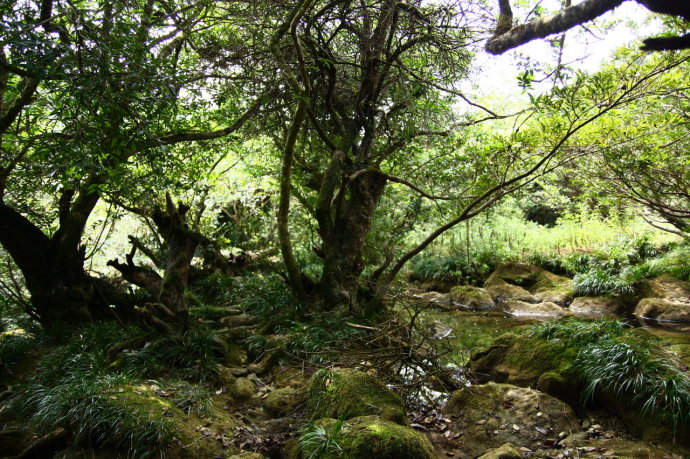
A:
{"points": [[508, 36], [88, 92], [361, 79]]}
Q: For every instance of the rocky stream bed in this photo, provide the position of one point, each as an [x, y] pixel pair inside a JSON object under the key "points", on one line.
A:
{"points": [[518, 397]]}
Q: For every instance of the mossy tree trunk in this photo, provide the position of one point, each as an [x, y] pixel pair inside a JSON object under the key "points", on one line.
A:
{"points": [[169, 314]]}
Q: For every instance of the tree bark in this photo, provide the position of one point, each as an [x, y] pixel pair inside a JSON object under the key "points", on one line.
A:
{"points": [[169, 314], [344, 235], [504, 40]]}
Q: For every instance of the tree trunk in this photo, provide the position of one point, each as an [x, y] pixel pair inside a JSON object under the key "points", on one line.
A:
{"points": [[169, 314], [343, 243], [62, 293]]}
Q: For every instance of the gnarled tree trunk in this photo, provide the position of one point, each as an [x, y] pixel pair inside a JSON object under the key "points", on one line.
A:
{"points": [[169, 314]]}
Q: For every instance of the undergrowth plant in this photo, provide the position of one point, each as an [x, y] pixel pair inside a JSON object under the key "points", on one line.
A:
{"points": [[317, 441], [626, 364], [70, 391]]}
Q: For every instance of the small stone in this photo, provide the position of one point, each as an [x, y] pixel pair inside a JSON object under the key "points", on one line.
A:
{"points": [[586, 424], [562, 435], [516, 428], [596, 427]]}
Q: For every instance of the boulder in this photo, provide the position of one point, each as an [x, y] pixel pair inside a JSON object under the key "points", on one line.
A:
{"points": [[664, 310], [441, 300], [529, 361], [284, 401], [505, 451], [528, 283], [241, 389], [491, 415], [471, 298], [502, 292], [365, 437], [546, 309], [664, 287], [598, 305], [342, 393]]}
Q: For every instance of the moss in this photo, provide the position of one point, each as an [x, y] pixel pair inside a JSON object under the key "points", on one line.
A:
{"points": [[529, 362], [368, 436], [344, 394], [152, 403]]}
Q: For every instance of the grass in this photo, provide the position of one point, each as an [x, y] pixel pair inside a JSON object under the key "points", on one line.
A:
{"points": [[81, 406], [620, 361], [317, 441], [69, 391]]}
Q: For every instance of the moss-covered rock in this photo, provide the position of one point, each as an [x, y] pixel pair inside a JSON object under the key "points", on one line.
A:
{"points": [[523, 309], [599, 305], [283, 401], [366, 437], [528, 283], [505, 451], [344, 394], [241, 389], [433, 299], [502, 292], [471, 298], [153, 404], [664, 287], [664, 310], [493, 414], [529, 362]]}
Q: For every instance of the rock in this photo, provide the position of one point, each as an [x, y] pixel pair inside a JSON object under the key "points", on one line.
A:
{"points": [[471, 298], [664, 310], [528, 283], [368, 437], [521, 308], [439, 330], [342, 393], [246, 455], [502, 292], [241, 389], [433, 299], [521, 274], [598, 305], [284, 401], [529, 362], [505, 451], [664, 287], [502, 407], [239, 320]]}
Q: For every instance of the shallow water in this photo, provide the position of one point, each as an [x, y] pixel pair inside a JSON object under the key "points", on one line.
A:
{"points": [[473, 331]]}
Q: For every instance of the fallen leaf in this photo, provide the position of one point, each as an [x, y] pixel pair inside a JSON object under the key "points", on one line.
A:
{"points": [[206, 432], [481, 422]]}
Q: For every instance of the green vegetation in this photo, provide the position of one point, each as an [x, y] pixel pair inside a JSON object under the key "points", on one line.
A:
{"points": [[319, 441], [203, 193], [626, 364]]}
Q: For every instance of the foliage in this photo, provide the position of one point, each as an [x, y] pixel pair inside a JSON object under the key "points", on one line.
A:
{"points": [[626, 364], [317, 440], [15, 344], [598, 281], [193, 398], [82, 406], [69, 391], [195, 356], [316, 341], [268, 298]]}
